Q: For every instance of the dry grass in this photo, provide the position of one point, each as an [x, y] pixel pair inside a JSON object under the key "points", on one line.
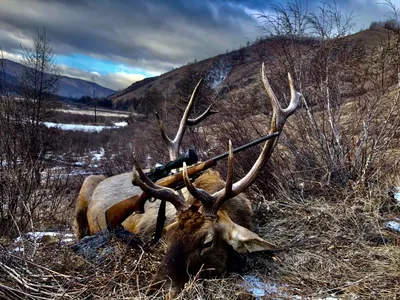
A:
{"points": [[337, 248], [333, 245]]}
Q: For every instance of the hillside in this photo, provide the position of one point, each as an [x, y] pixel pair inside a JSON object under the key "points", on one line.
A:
{"points": [[224, 73], [69, 87]]}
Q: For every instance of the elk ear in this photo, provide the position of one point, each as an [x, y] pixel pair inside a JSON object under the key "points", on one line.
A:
{"points": [[242, 239]]}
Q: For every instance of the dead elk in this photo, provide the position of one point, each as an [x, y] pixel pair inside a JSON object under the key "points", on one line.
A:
{"points": [[98, 194], [209, 221]]}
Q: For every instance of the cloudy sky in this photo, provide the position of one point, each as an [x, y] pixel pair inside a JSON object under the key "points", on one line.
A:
{"points": [[117, 42]]}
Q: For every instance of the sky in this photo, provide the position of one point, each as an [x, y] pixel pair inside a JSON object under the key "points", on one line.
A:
{"points": [[118, 42]]}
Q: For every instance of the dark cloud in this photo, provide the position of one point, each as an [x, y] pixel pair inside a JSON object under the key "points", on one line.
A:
{"points": [[135, 32], [155, 35]]}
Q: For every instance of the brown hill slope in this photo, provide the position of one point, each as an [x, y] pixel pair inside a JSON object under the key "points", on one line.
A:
{"points": [[224, 73]]}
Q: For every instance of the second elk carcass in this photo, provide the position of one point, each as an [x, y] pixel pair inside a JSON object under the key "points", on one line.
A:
{"points": [[207, 222]]}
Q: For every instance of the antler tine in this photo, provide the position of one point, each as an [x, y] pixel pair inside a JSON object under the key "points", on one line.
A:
{"points": [[229, 177], [278, 121], [206, 199], [280, 115], [138, 171], [294, 98], [225, 194], [195, 121], [274, 100], [156, 191], [164, 135], [182, 126]]}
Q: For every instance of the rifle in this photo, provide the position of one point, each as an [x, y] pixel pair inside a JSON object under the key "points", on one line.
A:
{"points": [[161, 171], [117, 213]]}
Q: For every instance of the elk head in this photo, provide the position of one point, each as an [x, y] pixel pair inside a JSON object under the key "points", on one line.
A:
{"points": [[203, 234]]}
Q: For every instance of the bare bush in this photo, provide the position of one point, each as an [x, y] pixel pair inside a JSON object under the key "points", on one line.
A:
{"points": [[350, 117]]}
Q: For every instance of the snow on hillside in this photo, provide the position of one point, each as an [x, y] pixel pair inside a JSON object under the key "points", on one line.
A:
{"points": [[218, 74]]}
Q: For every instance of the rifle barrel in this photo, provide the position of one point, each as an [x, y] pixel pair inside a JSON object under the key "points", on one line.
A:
{"points": [[245, 146]]}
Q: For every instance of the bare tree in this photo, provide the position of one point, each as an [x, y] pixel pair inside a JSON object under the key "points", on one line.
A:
{"points": [[24, 140], [37, 85]]}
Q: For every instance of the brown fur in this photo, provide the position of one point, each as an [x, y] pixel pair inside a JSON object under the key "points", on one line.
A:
{"points": [[186, 254], [82, 204], [238, 208]]}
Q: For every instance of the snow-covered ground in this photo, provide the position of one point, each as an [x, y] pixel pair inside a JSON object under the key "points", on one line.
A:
{"points": [[35, 236], [121, 124], [72, 165], [86, 128], [260, 289], [98, 156], [394, 224], [396, 194]]}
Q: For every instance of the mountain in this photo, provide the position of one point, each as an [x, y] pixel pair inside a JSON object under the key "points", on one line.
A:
{"points": [[68, 87], [225, 74]]}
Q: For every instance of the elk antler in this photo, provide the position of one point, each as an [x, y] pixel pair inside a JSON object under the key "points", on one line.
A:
{"points": [[212, 203], [174, 144], [157, 191], [279, 114]]}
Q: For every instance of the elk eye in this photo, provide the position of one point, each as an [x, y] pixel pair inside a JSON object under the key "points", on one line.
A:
{"points": [[208, 241], [208, 244]]}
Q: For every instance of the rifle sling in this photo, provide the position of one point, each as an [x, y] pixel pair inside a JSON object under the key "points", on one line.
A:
{"points": [[160, 221]]}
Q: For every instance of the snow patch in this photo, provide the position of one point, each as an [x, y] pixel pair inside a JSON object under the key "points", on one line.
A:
{"points": [[18, 249], [67, 240], [396, 194], [36, 236], [272, 290], [258, 288], [121, 124], [85, 128], [394, 224], [79, 164], [98, 156]]}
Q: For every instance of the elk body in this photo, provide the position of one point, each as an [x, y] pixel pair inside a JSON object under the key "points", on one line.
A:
{"points": [[205, 224]]}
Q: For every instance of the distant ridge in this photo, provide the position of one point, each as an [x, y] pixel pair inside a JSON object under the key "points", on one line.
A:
{"points": [[226, 73], [69, 87]]}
